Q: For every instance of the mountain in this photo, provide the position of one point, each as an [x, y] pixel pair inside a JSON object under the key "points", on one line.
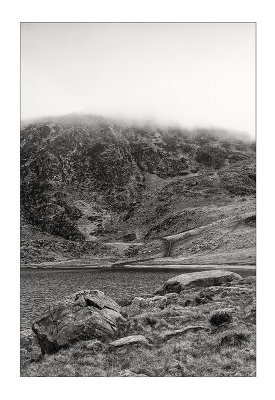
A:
{"points": [[99, 189]]}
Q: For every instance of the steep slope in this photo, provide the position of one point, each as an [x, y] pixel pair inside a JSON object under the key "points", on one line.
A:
{"points": [[92, 187]]}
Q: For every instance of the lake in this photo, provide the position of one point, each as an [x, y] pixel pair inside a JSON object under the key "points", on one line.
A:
{"points": [[41, 287]]}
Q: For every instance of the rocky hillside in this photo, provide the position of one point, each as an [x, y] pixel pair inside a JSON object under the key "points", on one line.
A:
{"points": [[98, 188]]}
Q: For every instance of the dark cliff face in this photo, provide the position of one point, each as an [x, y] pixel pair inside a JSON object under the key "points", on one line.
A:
{"points": [[77, 171]]}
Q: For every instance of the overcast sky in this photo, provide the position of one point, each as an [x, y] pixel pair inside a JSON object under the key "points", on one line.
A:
{"points": [[196, 75]]}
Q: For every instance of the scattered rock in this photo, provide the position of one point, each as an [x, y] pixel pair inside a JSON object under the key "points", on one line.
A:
{"points": [[179, 332], [29, 346], [197, 279], [219, 317], [130, 340], [151, 303], [88, 314]]}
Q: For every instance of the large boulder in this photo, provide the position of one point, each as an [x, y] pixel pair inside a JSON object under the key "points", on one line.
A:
{"points": [[85, 315], [197, 279]]}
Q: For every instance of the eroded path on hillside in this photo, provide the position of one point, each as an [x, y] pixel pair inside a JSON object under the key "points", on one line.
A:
{"points": [[170, 240]]}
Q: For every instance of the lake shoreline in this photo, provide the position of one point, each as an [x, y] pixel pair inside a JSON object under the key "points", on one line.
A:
{"points": [[75, 265], [41, 286]]}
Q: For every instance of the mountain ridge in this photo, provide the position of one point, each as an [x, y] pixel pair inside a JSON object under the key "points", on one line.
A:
{"points": [[90, 181]]}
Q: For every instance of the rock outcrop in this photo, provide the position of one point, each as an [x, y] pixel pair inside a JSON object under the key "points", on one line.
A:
{"points": [[86, 315], [197, 279]]}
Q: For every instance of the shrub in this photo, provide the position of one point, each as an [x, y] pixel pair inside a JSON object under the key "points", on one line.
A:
{"points": [[219, 317]]}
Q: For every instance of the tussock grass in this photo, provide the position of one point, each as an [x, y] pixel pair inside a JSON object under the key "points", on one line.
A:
{"points": [[220, 317]]}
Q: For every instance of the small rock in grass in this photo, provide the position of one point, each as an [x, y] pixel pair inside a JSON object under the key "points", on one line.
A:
{"points": [[130, 340], [179, 332], [126, 372], [129, 373]]}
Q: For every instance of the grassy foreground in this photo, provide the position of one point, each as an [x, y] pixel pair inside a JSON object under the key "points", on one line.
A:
{"points": [[225, 347]]}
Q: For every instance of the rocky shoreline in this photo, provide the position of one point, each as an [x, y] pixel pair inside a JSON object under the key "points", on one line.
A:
{"points": [[195, 324]]}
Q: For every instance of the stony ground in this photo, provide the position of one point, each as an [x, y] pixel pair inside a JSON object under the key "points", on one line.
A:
{"points": [[198, 332]]}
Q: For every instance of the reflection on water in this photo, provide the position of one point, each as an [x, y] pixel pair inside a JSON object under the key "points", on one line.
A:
{"points": [[39, 288]]}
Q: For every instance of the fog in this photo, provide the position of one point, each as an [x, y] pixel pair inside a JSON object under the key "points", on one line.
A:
{"points": [[194, 75]]}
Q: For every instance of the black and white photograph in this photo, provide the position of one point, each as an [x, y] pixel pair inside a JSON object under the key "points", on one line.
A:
{"points": [[138, 199]]}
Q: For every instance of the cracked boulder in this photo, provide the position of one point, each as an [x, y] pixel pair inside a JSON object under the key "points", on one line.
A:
{"points": [[85, 315]]}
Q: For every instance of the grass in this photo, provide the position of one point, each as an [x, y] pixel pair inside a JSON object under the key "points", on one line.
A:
{"points": [[196, 355], [226, 349]]}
